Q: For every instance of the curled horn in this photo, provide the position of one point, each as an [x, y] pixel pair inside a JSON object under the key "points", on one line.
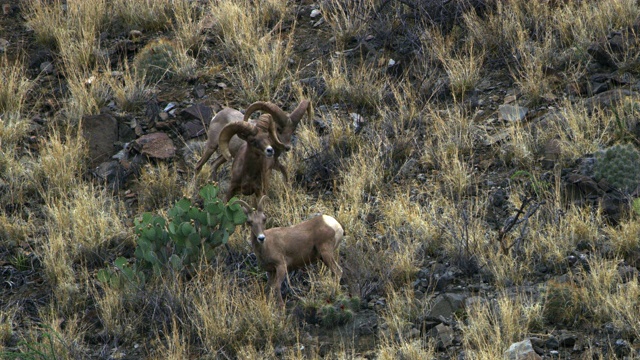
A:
{"points": [[227, 133], [244, 204], [274, 135], [304, 106], [261, 202], [272, 109]]}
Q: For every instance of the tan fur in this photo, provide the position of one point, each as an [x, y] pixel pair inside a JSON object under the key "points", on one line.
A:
{"points": [[289, 248], [286, 126]]}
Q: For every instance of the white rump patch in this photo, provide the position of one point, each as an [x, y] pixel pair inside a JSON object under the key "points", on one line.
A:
{"points": [[335, 225]]}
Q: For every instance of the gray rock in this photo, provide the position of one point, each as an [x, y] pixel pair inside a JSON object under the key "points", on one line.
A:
{"points": [[192, 129], [46, 68], [552, 343], [622, 348], [111, 173], [609, 98], [443, 336], [567, 339], [512, 113], [4, 44], [201, 112], [445, 305], [157, 145], [522, 350], [100, 132]]}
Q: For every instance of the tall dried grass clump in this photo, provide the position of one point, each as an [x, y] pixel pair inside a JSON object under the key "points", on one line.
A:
{"points": [[143, 15], [254, 44], [348, 20], [160, 187], [362, 86], [45, 18], [492, 326], [462, 60], [611, 297], [14, 90], [229, 317]]}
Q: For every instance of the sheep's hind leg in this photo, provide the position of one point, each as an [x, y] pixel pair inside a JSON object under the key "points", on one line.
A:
{"points": [[208, 151]]}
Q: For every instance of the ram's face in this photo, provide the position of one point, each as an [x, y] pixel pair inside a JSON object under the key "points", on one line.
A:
{"points": [[263, 143]]}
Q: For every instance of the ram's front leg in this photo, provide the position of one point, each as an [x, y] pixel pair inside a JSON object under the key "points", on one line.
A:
{"points": [[277, 165], [281, 273]]}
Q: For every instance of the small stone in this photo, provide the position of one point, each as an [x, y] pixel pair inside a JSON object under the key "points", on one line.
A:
{"points": [[509, 99], [169, 106], [567, 340], [199, 91], [522, 350], [358, 121], [135, 35], [46, 67], [413, 333], [512, 113], [4, 43], [315, 13], [443, 335]]}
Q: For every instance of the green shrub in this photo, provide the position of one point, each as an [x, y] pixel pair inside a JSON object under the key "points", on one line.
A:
{"points": [[125, 276], [156, 61], [619, 165], [190, 234]]}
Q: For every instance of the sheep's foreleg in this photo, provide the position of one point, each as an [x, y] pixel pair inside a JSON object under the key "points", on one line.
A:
{"points": [[277, 165]]}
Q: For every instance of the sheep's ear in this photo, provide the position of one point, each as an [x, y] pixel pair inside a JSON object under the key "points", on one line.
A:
{"points": [[245, 134]]}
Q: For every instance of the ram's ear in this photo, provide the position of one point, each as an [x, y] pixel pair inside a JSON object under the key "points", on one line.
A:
{"points": [[247, 134]]}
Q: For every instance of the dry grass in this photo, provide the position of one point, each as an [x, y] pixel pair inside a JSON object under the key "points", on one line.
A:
{"points": [[399, 220], [463, 65], [348, 20], [492, 326], [14, 91], [253, 45], [144, 15], [362, 85]]}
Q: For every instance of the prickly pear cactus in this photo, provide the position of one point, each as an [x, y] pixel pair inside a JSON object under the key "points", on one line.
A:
{"points": [[189, 234], [619, 165]]}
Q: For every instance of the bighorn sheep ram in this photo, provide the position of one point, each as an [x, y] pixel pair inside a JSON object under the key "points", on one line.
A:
{"points": [[283, 249], [254, 157], [286, 125]]}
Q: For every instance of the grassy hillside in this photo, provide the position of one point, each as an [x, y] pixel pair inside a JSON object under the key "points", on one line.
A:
{"points": [[461, 144]]}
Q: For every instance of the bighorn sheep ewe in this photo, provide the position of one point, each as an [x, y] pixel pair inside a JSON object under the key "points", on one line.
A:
{"points": [[254, 158], [285, 127], [283, 249]]}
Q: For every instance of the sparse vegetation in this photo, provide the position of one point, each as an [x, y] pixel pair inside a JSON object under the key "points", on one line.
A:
{"points": [[528, 221]]}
